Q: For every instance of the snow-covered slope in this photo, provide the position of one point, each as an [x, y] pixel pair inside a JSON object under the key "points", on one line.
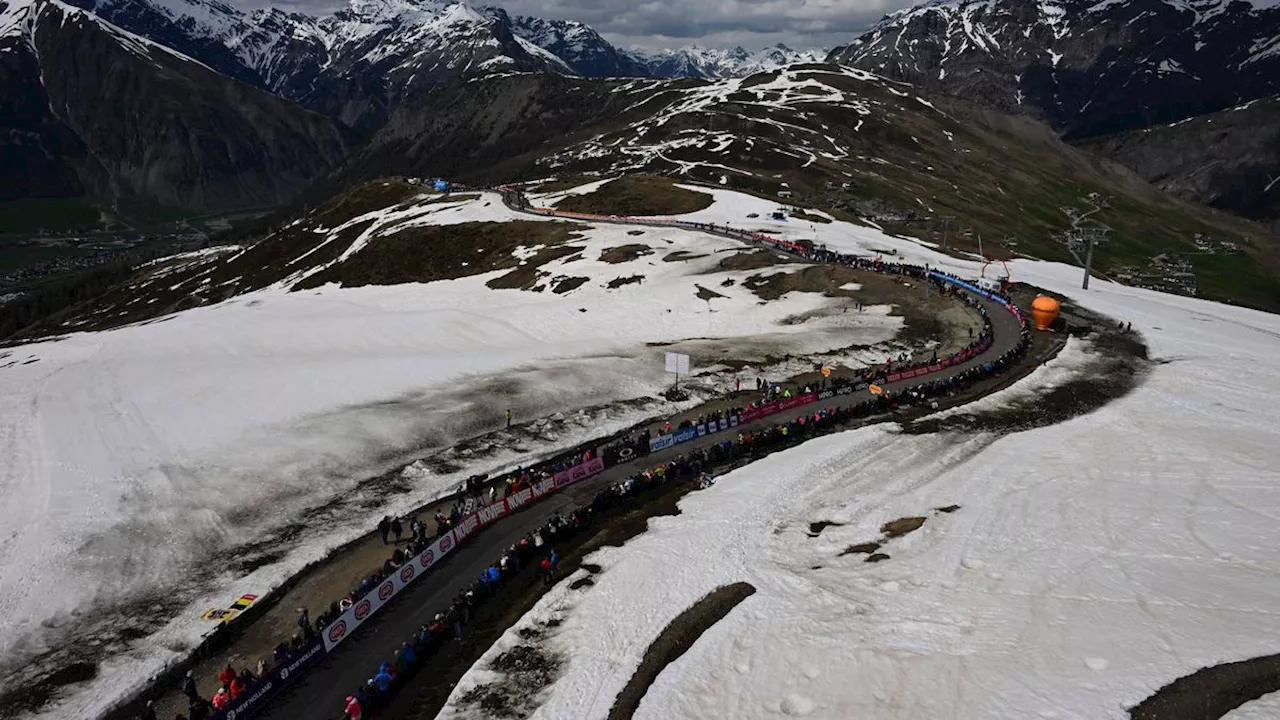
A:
{"points": [[1088, 563], [142, 463], [701, 62], [1086, 67]]}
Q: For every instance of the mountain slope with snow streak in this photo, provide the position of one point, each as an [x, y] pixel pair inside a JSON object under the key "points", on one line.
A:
{"points": [[1085, 67], [1088, 563], [835, 138], [143, 460]]}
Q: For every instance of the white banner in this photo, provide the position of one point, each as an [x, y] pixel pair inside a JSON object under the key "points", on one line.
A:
{"points": [[678, 363]]}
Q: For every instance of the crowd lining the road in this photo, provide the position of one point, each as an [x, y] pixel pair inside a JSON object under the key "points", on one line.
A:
{"points": [[368, 700]]}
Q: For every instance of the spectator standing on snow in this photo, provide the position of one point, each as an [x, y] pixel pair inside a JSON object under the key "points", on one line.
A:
{"points": [[384, 527], [397, 529], [508, 418], [353, 711]]}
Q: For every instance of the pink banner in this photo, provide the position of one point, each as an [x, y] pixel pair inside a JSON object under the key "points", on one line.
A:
{"points": [[578, 472]]}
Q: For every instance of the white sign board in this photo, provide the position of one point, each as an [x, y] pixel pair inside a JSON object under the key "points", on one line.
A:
{"points": [[678, 363]]}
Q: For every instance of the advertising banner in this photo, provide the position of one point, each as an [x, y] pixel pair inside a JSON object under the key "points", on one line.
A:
{"points": [[273, 682], [661, 442], [578, 472], [490, 513]]}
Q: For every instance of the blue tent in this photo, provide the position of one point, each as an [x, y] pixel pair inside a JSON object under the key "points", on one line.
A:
{"points": [[442, 185]]}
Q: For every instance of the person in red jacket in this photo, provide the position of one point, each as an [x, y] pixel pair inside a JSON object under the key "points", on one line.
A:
{"points": [[227, 675], [221, 699], [353, 708], [237, 688]]}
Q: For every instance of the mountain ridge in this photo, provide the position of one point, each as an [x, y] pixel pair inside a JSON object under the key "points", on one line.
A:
{"points": [[1087, 68]]}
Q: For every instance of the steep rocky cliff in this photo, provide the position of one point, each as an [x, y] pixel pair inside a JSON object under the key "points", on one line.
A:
{"points": [[91, 109]]}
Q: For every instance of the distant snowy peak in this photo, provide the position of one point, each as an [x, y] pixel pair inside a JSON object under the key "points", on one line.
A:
{"points": [[576, 44], [703, 62], [1086, 66]]}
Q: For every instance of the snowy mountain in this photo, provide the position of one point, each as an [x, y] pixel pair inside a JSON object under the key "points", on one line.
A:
{"points": [[355, 64], [579, 46], [88, 108], [700, 62], [1086, 67]]}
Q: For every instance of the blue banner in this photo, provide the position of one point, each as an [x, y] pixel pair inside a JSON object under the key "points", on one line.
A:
{"points": [[256, 698]]}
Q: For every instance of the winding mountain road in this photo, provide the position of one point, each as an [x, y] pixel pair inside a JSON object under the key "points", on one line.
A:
{"points": [[322, 691]]}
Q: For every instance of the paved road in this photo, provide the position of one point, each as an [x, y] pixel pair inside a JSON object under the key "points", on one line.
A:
{"points": [[321, 693]]}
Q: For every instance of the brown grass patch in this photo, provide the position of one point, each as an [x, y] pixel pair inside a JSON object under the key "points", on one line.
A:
{"points": [[526, 276], [638, 195], [563, 285], [625, 253], [561, 184], [865, 548], [705, 294], [825, 279], [753, 260], [902, 526], [802, 215], [447, 252], [681, 256], [616, 283]]}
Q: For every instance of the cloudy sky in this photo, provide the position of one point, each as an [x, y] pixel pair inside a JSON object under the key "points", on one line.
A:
{"points": [[754, 24], [717, 23]]}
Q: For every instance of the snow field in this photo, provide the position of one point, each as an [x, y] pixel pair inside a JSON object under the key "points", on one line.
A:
{"points": [[1090, 562], [137, 458]]}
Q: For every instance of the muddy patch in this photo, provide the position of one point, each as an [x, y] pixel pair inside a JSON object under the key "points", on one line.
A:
{"points": [[528, 669], [1210, 693], [675, 640], [948, 509], [876, 557], [1117, 364], [580, 583]]}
